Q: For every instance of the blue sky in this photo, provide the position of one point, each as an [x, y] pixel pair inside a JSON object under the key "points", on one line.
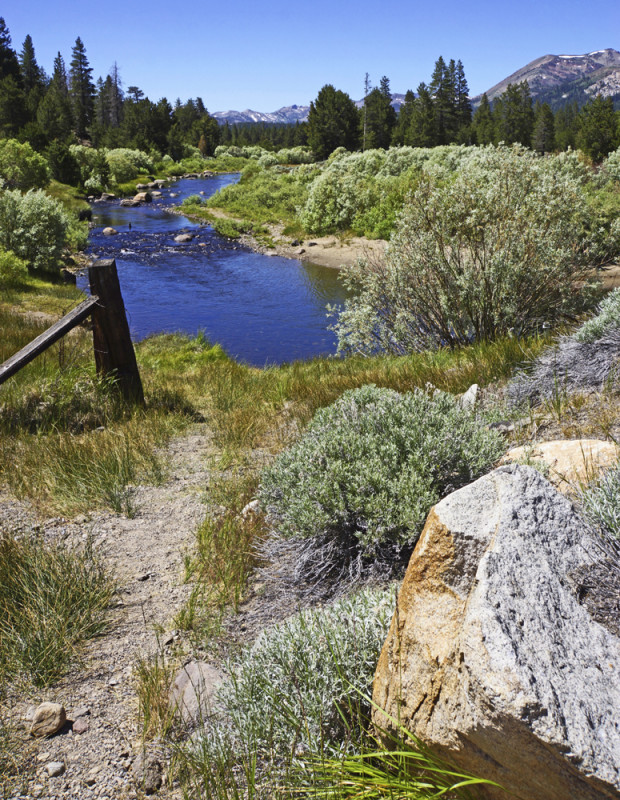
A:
{"points": [[271, 54]]}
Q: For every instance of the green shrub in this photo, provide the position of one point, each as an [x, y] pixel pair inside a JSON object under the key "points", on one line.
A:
{"points": [[193, 200], [608, 317], [34, 226], [601, 503], [298, 690], [364, 475], [125, 164], [491, 251], [63, 164], [21, 167], [13, 270]]}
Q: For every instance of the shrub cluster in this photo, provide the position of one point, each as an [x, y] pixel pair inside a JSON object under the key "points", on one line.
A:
{"points": [[13, 270], [491, 251], [361, 480], [299, 690], [34, 227], [21, 167]]}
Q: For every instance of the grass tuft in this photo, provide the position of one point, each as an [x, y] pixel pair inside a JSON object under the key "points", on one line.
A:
{"points": [[51, 598]]}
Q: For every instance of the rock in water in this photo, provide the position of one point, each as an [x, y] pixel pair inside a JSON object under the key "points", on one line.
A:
{"points": [[491, 659], [109, 231], [143, 197], [48, 719], [183, 237]]}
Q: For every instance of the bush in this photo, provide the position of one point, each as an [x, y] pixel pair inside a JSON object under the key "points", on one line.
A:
{"points": [[63, 164], [608, 317], [13, 270], [601, 503], [125, 164], [491, 251], [20, 167], [360, 482], [298, 690], [34, 226]]}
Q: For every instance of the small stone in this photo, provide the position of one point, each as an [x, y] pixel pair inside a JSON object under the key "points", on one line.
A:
{"points": [[469, 399], [144, 577], [109, 231], [43, 756], [48, 719], [312, 244], [114, 680], [183, 237], [80, 725], [55, 768], [301, 251], [147, 771], [252, 508]]}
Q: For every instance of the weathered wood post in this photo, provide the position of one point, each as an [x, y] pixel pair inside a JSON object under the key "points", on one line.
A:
{"points": [[114, 353]]}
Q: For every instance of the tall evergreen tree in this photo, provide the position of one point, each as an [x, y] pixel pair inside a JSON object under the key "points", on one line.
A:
{"points": [[442, 90], [597, 133], [401, 134], [9, 65], [461, 97], [423, 129], [566, 123], [82, 89], [543, 138], [54, 114], [333, 121], [514, 114], [380, 116], [482, 123], [32, 75]]}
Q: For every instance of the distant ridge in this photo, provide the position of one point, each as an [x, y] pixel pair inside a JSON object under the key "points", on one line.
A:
{"points": [[556, 80], [561, 79]]}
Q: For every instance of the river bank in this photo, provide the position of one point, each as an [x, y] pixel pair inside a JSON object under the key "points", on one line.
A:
{"points": [[331, 251]]}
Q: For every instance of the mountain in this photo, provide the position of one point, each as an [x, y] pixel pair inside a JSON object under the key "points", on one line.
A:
{"points": [[287, 114], [558, 80]]}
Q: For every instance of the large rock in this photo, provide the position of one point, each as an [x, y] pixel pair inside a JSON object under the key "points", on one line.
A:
{"points": [[193, 692], [143, 197], [570, 462], [48, 719], [491, 659]]}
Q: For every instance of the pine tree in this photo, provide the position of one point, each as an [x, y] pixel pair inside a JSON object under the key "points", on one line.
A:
{"points": [[597, 133], [333, 121], [482, 123], [367, 89], [32, 75], [442, 90], [566, 120], [402, 133], [461, 97], [54, 114], [423, 129], [543, 138], [82, 90], [380, 116], [9, 65], [514, 114]]}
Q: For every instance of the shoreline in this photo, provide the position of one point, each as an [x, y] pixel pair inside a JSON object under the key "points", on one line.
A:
{"points": [[331, 251]]}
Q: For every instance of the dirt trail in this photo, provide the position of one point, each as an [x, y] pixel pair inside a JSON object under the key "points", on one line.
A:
{"points": [[146, 555]]}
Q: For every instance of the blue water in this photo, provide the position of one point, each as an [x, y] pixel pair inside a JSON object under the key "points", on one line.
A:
{"points": [[261, 309]]}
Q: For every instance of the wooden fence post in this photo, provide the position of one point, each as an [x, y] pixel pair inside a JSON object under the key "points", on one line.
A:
{"points": [[114, 353]]}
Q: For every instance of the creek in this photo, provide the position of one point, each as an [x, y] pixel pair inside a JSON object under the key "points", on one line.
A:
{"points": [[261, 309]]}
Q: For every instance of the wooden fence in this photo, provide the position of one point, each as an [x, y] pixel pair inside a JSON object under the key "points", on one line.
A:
{"points": [[114, 353]]}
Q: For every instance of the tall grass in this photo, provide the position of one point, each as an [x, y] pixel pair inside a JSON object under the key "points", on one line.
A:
{"points": [[51, 598]]}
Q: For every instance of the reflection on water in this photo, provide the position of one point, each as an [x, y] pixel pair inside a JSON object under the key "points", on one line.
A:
{"points": [[261, 309]]}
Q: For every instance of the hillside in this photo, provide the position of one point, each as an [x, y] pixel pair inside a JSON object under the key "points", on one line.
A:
{"points": [[560, 79]]}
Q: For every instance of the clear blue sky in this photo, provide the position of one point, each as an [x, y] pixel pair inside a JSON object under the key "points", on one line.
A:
{"points": [[265, 55]]}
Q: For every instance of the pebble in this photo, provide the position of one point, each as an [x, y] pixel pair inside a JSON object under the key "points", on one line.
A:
{"points": [[55, 768]]}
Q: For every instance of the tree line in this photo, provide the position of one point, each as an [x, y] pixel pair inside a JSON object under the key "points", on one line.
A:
{"points": [[69, 106], [440, 113], [50, 112]]}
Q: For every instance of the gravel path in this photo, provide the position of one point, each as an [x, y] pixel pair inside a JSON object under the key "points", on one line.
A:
{"points": [[146, 555]]}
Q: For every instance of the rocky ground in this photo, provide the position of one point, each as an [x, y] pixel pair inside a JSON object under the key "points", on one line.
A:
{"points": [[95, 753]]}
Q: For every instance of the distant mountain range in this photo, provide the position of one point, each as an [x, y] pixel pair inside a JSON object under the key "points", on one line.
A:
{"points": [[556, 80]]}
